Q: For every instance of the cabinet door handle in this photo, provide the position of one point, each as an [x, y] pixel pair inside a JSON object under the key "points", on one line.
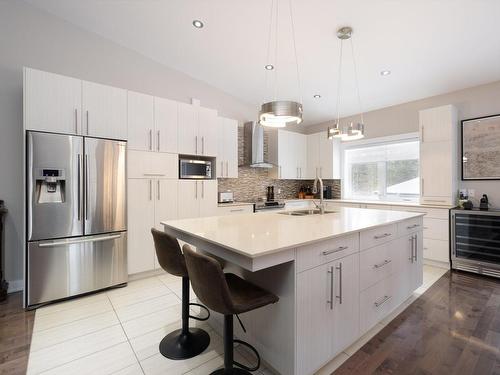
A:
{"points": [[76, 120], [330, 302], [237, 210], [202, 189], [87, 115], [423, 187], [203, 145], [415, 248], [411, 249], [340, 282], [340, 248], [384, 263], [382, 236], [158, 190], [196, 191], [196, 144], [384, 300], [150, 140], [150, 190], [222, 169], [423, 138], [158, 140]]}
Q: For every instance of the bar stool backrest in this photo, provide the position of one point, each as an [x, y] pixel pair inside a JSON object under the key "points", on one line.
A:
{"points": [[169, 254]]}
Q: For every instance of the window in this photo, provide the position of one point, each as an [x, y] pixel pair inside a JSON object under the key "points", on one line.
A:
{"points": [[387, 171]]}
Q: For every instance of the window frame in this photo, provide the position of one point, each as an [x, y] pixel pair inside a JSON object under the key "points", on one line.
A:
{"points": [[378, 141]]}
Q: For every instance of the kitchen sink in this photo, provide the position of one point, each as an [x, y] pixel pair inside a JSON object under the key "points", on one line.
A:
{"points": [[305, 212]]}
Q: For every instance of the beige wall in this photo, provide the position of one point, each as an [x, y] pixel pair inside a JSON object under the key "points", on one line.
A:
{"points": [[473, 102], [30, 37]]}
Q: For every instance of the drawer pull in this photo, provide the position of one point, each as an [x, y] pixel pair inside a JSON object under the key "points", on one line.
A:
{"points": [[384, 300], [237, 210], [382, 236], [326, 252], [384, 263], [413, 226]]}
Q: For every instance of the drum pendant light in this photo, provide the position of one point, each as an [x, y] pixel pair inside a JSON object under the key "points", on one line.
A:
{"points": [[280, 113]]}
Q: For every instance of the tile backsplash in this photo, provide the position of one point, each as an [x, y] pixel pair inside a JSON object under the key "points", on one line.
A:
{"points": [[252, 183]]}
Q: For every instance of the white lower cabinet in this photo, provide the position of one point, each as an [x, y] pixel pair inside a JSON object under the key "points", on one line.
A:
{"points": [[150, 201], [197, 198], [327, 301]]}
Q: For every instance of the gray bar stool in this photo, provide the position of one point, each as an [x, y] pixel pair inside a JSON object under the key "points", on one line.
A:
{"points": [[186, 342], [229, 295]]}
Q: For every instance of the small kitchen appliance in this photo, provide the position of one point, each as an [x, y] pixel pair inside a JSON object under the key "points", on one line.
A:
{"points": [[226, 197]]}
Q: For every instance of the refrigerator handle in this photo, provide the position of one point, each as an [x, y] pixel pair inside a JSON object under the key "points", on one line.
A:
{"points": [[79, 176], [71, 242], [87, 186]]}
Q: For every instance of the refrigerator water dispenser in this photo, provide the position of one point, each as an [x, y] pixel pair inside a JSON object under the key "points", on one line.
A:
{"points": [[50, 186]]}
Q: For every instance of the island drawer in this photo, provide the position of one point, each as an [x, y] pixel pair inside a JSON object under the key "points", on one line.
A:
{"points": [[377, 263], [234, 210], [377, 236], [410, 226], [313, 255], [376, 303]]}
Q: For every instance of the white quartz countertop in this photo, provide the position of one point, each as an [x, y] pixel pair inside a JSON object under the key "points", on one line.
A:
{"points": [[255, 235]]}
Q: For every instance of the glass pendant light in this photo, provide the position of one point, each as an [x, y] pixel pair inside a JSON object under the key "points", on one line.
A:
{"points": [[351, 131], [280, 113]]}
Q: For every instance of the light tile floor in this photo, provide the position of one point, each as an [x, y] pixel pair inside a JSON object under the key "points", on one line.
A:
{"points": [[118, 332]]}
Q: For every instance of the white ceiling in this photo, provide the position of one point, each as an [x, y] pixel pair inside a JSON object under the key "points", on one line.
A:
{"points": [[431, 46]]}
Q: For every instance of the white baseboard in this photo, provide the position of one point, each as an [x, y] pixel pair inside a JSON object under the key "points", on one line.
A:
{"points": [[15, 286], [435, 263]]}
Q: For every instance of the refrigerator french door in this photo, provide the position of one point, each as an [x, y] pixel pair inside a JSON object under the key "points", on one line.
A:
{"points": [[76, 216]]}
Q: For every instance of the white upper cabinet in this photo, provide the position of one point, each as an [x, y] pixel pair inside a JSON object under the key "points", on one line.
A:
{"points": [[323, 156], [187, 129], [52, 102], [437, 124], [438, 148], [104, 110], [207, 131], [197, 130], [288, 150], [312, 156], [152, 123], [140, 121], [145, 164], [227, 151], [165, 120]]}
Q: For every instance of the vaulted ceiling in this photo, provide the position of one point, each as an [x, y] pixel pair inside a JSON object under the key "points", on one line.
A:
{"points": [[430, 46]]}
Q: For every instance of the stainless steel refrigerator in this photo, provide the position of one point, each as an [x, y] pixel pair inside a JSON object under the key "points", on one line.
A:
{"points": [[76, 216]]}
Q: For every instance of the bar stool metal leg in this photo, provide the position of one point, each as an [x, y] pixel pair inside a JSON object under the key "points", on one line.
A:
{"points": [[186, 342], [229, 369]]}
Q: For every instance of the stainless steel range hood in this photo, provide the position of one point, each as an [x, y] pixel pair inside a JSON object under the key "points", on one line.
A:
{"points": [[253, 146]]}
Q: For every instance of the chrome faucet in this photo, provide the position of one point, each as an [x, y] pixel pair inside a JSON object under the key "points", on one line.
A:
{"points": [[315, 190]]}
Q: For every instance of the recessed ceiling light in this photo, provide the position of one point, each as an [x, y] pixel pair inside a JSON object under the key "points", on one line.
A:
{"points": [[317, 96], [269, 67], [385, 72], [198, 24]]}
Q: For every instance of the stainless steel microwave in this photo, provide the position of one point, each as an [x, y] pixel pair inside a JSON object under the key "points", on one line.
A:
{"points": [[195, 169]]}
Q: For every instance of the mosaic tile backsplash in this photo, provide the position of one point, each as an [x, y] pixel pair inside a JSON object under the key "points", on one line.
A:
{"points": [[252, 183]]}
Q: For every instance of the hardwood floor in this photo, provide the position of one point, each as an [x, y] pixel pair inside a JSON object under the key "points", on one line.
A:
{"points": [[453, 328], [16, 327]]}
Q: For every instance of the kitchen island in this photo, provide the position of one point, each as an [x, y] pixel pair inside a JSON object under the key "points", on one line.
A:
{"points": [[337, 275]]}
